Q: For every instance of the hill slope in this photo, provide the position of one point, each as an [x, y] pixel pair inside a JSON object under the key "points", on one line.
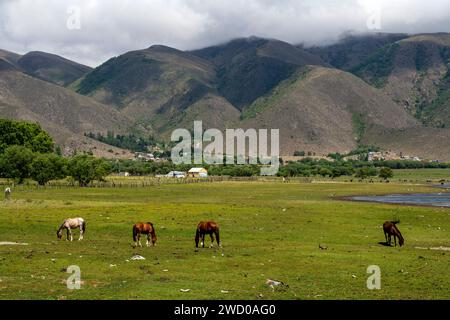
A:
{"points": [[415, 73], [353, 50], [51, 68], [325, 110], [160, 87], [249, 68], [66, 115]]}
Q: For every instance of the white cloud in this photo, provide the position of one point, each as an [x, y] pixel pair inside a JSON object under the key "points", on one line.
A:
{"points": [[112, 27]]}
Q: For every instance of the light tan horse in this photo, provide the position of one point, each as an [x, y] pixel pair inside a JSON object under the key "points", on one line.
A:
{"points": [[70, 224]]}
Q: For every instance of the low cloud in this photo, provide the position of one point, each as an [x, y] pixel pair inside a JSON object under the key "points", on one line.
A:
{"points": [[112, 27]]}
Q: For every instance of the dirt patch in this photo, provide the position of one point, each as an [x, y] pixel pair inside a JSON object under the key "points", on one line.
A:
{"points": [[6, 243], [435, 248]]}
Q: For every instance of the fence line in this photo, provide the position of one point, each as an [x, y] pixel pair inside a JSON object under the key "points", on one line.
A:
{"points": [[145, 182]]}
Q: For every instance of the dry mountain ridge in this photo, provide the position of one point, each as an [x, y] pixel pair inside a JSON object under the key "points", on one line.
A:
{"points": [[65, 114], [325, 110], [51, 68]]}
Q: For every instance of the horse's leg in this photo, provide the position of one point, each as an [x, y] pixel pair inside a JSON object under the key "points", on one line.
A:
{"points": [[203, 240], [212, 240], [68, 234], [148, 240], [386, 237], [139, 240], [395, 240], [81, 233], [218, 239], [197, 238], [154, 239]]}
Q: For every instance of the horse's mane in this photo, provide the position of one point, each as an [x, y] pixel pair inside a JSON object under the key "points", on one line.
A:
{"points": [[395, 222]]}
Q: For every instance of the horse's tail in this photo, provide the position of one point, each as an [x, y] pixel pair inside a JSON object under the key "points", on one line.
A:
{"points": [[83, 227]]}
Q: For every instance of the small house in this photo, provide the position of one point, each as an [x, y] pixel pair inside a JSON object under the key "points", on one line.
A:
{"points": [[198, 173]]}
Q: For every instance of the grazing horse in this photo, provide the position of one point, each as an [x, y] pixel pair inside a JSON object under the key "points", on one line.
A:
{"points": [[390, 229], [70, 224], [7, 193], [204, 228], [144, 228]]}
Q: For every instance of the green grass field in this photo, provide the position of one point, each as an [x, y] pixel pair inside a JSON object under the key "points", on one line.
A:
{"points": [[422, 174], [269, 230]]}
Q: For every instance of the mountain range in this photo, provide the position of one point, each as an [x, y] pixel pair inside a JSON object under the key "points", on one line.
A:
{"points": [[388, 90]]}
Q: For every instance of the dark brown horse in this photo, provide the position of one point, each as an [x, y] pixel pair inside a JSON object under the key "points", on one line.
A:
{"points": [[144, 228], [204, 228], [390, 229]]}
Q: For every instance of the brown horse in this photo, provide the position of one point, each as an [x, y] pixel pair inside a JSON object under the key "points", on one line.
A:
{"points": [[390, 229], [144, 228], [204, 228]]}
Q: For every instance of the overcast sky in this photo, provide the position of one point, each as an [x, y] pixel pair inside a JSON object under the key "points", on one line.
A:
{"points": [[106, 28]]}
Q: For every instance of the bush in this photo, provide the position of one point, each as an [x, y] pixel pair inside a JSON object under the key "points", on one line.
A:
{"points": [[386, 173], [299, 153]]}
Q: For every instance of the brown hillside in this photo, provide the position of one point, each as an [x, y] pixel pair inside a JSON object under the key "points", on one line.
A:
{"points": [[65, 114], [325, 110]]}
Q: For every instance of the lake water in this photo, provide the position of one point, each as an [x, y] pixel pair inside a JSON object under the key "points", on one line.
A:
{"points": [[432, 199]]}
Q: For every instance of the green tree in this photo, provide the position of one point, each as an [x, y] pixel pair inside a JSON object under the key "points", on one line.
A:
{"points": [[47, 167], [25, 134], [85, 169], [324, 172], [366, 172], [15, 163], [386, 173]]}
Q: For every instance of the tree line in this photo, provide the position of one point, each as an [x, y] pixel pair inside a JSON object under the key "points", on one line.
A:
{"points": [[28, 152]]}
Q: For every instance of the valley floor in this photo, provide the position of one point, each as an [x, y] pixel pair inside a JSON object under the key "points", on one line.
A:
{"points": [[270, 230]]}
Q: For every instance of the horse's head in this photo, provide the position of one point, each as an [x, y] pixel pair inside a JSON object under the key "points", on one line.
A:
{"points": [[59, 234]]}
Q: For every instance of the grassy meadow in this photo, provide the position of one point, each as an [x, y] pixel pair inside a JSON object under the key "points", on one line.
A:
{"points": [[269, 230]]}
